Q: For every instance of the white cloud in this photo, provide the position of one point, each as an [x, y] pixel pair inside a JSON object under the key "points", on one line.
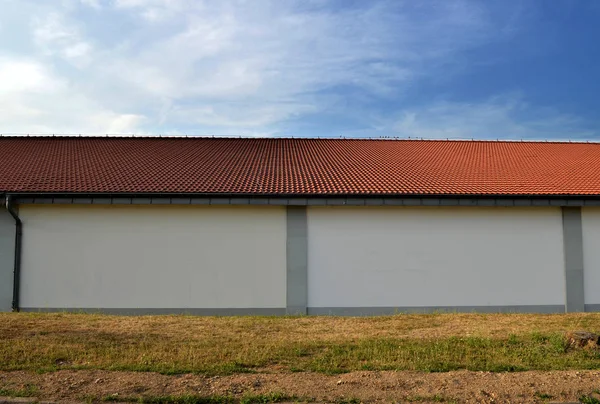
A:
{"points": [[55, 35], [272, 57], [154, 10], [231, 115], [33, 100], [24, 77], [92, 3], [502, 117]]}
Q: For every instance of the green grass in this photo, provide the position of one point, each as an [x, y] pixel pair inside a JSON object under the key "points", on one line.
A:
{"points": [[274, 397], [330, 345], [30, 390], [543, 396], [347, 401], [432, 399], [590, 399], [198, 399], [183, 399], [524, 352]]}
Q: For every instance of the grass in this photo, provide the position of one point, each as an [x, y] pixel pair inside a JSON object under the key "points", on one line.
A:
{"points": [[543, 396], [199, 399], [347, 401], [590, 399], [29, 390], [226, 345], [430, 399]]}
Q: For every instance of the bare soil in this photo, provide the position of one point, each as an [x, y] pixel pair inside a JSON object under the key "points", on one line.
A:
{"points": [[457, 386]]}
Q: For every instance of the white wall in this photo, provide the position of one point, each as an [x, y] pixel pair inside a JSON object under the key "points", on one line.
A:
{"points": [[426, 256], [86, 256], [590, 218]]}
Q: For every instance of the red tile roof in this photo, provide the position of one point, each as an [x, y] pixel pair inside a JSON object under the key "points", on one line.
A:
{"points": [[297, 166]]}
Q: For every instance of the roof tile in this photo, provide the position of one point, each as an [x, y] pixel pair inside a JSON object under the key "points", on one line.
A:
{"points": [[297, 166]]}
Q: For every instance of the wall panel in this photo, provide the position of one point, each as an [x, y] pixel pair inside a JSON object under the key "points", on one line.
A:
{"points": [[590, 220], [95, 256], [435, 257]]}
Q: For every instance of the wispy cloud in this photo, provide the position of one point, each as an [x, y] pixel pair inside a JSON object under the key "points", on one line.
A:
{"points": [[502, 117], [92, 3], [54, 35], [235, 66]]}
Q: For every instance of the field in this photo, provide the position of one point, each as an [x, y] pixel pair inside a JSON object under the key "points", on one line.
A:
{"points": [[266, 359]]}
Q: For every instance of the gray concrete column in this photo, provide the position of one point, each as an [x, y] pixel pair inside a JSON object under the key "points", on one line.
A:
{"points": [[297, 260], [573, 244], [7, 259]]}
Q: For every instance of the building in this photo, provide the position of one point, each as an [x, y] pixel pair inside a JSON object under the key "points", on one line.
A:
{"points": [[311, 226]]}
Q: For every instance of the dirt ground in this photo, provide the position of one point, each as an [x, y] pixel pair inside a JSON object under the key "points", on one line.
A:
{"points": [[458, 386]]}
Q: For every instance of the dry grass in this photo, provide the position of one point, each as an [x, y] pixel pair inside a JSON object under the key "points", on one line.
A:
{"points": [[321, 328], [223, 345]]}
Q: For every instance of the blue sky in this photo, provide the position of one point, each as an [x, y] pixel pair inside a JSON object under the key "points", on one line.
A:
{"points": [[507, 69]]}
